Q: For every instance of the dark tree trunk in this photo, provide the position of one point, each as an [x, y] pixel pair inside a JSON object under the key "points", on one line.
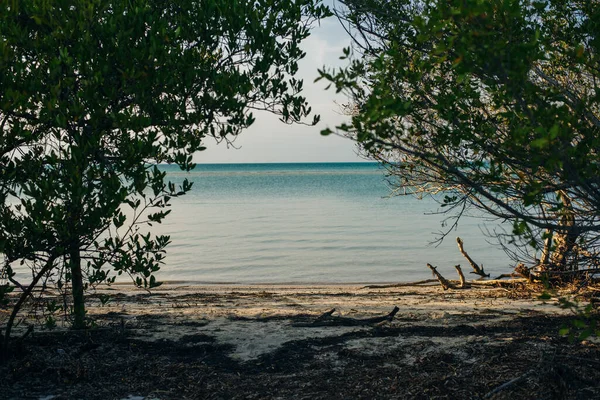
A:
{"points": [[77, 282], [17, 307], [76, 213]]}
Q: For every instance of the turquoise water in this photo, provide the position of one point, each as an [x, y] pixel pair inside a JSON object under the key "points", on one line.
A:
{"points": [[309, 223]]}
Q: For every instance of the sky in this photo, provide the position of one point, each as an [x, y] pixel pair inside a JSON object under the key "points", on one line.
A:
{"points": [[269, 140]]}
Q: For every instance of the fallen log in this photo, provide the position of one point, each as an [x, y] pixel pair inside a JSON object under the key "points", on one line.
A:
{"points": [[393, 285], [476, 268], [498, 282], [463, 284], [502, 276], [328, 319]]}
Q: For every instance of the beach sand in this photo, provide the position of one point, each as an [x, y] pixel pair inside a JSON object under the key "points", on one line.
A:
{"points": [[261, 342]]}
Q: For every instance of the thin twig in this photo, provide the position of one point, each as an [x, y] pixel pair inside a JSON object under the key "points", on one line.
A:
{"points": [[508, 384]]}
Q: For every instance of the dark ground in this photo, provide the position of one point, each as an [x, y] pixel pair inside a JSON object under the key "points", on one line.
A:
{"points": [[524, 352]]}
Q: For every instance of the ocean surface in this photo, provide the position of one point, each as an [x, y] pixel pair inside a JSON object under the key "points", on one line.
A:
{"points": [[310, 223]]}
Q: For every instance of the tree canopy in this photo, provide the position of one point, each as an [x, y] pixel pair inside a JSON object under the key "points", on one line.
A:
{"points": [[95, 94], [494, 104]]}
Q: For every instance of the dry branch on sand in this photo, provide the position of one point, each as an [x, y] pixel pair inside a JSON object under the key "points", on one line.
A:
{"points": [[328, 319], [518, 276], [521, 274], [446, 284], [403, 284], [476, 268]]}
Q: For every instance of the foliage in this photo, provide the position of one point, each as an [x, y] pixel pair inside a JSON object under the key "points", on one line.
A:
{"points": [[492, 105], [95, 94], [584, 325], [5, 289]]}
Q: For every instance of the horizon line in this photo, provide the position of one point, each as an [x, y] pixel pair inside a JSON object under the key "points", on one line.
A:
{"points": [[282, 162]]}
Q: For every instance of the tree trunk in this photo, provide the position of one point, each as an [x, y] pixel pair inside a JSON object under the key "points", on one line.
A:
{"points": [[17, 307], [546, 251], [565, 239], [76, 213], [77, 283]]}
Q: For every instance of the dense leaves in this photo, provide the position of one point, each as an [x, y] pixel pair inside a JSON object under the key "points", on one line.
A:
{"points": [[95, 94], [494, 104]]}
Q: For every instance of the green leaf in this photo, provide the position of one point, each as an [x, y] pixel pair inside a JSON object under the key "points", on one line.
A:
{"points": [[545, 296], [540, 143], [564, 331]]}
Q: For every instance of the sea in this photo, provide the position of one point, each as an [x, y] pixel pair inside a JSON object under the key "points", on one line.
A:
{"points": [[312, 223]]}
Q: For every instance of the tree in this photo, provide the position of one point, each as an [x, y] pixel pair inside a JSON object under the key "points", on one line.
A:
{"points": [[491, 105], [95, 94]]}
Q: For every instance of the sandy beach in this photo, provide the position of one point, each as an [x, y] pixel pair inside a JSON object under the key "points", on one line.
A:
{"points": [[230, 312], [311, 341]]}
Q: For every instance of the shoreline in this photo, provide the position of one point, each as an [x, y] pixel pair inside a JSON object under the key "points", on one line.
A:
{"points": [[269, 300], [171, 283], [261, 341]]}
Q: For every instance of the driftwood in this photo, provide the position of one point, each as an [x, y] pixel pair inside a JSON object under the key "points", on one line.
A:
{"points": [[476, 268], [498, 282], [576, 272], [393, 285], [463, 284], [520, 274], [328, 319], [446, 284], [461, 276], [520, 271], [512, 275]]}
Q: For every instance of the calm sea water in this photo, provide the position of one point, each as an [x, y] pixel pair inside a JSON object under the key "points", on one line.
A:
{"points": [[309, 223]]}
